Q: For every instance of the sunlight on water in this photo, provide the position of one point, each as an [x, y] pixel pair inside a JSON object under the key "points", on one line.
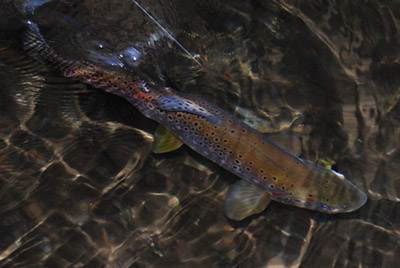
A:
{"points": [[80, 186]]}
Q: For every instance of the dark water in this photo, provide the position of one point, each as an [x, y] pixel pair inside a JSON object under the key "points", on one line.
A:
{"points": [[79, 186]]}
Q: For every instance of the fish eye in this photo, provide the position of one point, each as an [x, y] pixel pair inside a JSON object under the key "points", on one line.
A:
{"points": [[324, 207]]}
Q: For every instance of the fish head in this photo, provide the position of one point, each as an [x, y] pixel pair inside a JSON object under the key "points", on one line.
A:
{"points": [[326, 191]]}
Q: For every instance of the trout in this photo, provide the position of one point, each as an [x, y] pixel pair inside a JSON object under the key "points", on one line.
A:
{"points": [[267, 171]]}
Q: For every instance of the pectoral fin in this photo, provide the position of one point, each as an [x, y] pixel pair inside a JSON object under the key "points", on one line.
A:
{"points": [[245, 199], [290, 143], [176, 103], [165, 141]]}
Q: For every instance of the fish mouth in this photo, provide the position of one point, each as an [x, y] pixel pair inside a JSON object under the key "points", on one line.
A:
{"points": [[307, 204], [345, 207], [362, 199], [276, 194]]}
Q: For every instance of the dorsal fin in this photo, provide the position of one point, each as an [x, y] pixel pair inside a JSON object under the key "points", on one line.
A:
{"points": [[290, 143], [177, 103]]}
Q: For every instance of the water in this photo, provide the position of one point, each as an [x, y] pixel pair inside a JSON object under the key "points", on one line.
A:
{"points": [[81, 188]]}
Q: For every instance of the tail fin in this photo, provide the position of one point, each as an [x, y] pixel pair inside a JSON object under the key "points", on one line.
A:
{"points": [[37, 47]]}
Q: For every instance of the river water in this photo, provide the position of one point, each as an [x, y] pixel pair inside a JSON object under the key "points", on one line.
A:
{"points": [[79, 186]]}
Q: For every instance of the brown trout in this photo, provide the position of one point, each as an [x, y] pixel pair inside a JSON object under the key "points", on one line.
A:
{"points": [[268, 172]]}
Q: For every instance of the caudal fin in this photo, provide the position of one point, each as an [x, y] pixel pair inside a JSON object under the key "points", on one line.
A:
{"points": [[38, 48]]}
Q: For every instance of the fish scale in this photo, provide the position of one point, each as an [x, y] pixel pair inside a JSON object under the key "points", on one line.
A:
{"points": [[217, 135]]}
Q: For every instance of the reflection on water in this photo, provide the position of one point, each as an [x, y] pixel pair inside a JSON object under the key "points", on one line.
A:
{"points": [[80, 187]]}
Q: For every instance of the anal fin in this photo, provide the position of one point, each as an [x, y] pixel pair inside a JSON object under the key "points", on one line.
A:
{"points": [[165, 141]]}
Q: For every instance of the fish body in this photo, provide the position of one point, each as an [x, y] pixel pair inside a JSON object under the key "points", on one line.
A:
{"points": [[269, 171]]}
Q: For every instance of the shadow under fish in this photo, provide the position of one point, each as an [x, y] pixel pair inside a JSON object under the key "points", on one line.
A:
{"points": [[268, 172]]}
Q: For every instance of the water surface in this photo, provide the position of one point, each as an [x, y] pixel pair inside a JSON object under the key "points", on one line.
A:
{"points": [[79, 186]]}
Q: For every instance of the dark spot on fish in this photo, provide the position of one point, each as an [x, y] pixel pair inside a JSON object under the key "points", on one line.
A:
{"points": [[271, 186], [248, 169], [212, 133], [274, 178], [250, 163], [218, 146], [196, 124], [225, 140], [327, 200], [179, 115], [283, 187], [233, 131], [261, 171], [230, 152], [265, 178], [240, 156], [237, 161], [216, 139], [186, 129], [243, 130], [310, 195], [170, 118]]}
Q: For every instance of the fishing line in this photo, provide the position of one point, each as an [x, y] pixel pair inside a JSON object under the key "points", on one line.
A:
{"points": [[166, 32]]}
